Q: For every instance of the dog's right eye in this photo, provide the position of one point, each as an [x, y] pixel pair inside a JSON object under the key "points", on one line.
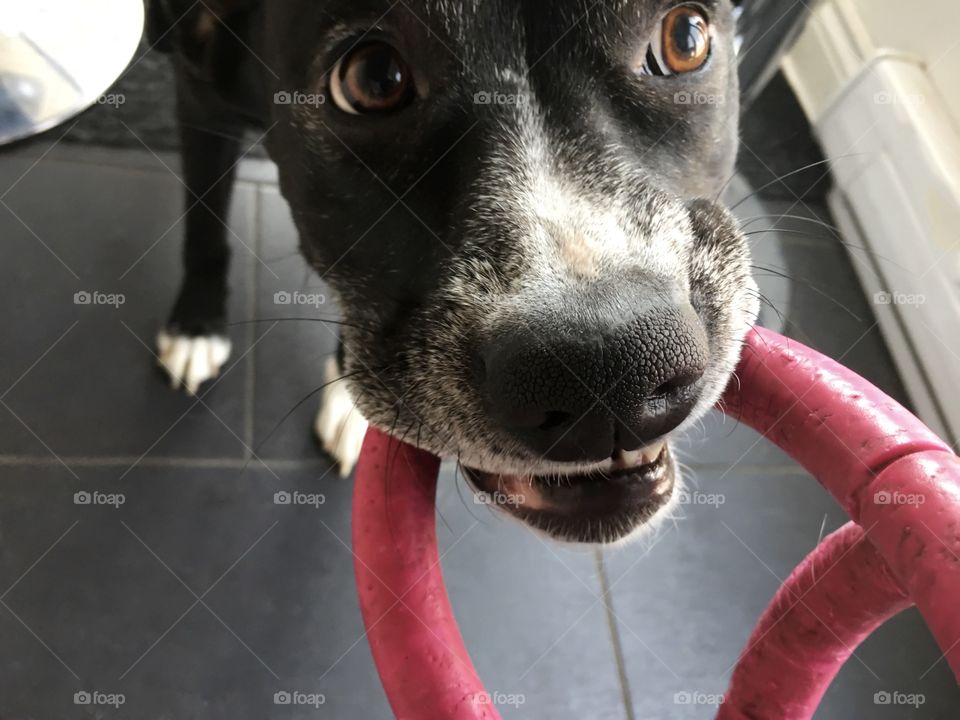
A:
{"points": [[682, 44], [370, 79]]}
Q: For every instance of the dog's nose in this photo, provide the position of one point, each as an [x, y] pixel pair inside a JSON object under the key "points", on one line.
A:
{"points": [[580, 390]]}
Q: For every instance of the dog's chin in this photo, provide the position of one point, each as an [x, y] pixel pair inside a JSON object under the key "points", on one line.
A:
{"points": [[609, 504]]}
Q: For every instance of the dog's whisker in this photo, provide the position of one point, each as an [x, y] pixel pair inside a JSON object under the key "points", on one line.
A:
{"points": [[782, 231], [765, 300], [460, 473], [834, 237], [257, 450], [783, 177], [785, 216], [806, 283], [331, 321], [306, 397]]}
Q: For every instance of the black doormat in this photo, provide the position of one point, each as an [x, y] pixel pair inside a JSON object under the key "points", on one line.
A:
{"points": [[145, 112]]}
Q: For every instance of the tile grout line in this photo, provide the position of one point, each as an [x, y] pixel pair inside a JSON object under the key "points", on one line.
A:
{"points": [[198, 463], [249, 403], [15, 460], [614, 635]]}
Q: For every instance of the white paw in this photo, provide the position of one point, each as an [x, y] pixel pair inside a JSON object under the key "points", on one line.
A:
{"points": [[191, 361], [339, 425]]}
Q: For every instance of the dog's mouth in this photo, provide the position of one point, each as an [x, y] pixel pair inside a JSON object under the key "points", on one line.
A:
{"points": [[606, 504]]}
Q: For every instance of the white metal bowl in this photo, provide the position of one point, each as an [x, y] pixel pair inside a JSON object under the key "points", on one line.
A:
{"points": [[59, 57]]}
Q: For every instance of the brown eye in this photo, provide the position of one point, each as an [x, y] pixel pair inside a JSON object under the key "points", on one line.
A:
{"points": [[683, 44], [372, 78]]}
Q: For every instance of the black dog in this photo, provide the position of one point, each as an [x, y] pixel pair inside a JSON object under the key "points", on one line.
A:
{"points": [[515, 202]]}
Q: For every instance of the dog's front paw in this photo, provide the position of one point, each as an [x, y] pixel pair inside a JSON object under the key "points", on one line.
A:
{"points": [[190, 361], [340, 427]]}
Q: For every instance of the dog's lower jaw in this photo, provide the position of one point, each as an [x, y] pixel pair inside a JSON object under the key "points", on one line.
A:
{"points": [[339, 426], [611, 505]]}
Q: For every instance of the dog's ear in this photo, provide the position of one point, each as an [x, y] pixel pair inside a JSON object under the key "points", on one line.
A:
{"points": [[204, 35]]}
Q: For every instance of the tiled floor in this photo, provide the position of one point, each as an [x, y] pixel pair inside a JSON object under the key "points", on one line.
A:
{"points": [[198, 597]]}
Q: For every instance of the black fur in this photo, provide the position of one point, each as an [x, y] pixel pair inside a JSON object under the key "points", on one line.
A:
{"points": [[426, 222]]}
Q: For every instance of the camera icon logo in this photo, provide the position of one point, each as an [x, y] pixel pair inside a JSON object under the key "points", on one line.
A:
{"points": [[82, 498], [283, 98], [882, 698], [682, 98], [483, 97], [82, 298], [282, 698], [882, 298], [282, 498], [882, 497], [282, 297], [82, 698]]}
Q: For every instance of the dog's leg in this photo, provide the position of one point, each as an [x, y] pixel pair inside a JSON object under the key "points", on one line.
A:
{"points": [[339, 426], [194, 345]]}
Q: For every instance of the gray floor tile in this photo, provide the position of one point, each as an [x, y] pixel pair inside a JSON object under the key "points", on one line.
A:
{"points": [[687, 599], [98, 390], [530, 611], [290, 361], [113, 596], [116, 598]]}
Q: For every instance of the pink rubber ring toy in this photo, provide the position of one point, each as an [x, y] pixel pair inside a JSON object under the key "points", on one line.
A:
{"points": [[852, 438]]}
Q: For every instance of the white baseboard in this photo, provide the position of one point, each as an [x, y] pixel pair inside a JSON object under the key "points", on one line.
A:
{"points": [[895, 154]]}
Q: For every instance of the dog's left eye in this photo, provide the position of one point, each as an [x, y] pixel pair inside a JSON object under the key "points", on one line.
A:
{"points": [[371, 78], [681, 44]]}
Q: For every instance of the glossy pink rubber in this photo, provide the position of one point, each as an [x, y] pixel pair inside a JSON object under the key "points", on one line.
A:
{"points": [[867, 450]]}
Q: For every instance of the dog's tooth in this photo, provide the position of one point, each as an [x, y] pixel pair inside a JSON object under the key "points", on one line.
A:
{"points": [[626, 459], [635, 458], [652, 453]]}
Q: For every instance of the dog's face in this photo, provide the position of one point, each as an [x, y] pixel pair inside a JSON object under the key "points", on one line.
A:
{"points": [[515, 201]]}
